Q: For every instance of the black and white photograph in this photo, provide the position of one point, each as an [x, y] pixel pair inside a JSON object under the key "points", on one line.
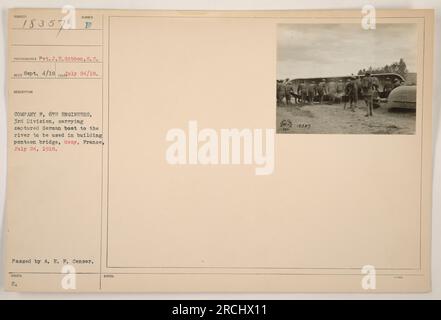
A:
{"points": [[345, 79]]}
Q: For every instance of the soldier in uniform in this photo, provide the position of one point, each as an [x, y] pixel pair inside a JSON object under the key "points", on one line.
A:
{"points": [[280, 92], [302, 91], [312, 89], [368, 87], [351, 91], [347, 91], [288, 90], [321, 90], [387, 88], [356, 90]]}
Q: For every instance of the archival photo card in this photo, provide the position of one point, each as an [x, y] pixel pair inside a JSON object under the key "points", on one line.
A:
{"points": [[345, 79], [143, 153]]}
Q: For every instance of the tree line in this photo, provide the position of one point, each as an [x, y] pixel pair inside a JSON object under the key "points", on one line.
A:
{"points": [[396, 67]]}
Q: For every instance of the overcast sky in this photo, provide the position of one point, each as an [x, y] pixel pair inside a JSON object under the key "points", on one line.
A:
{"points": [[321, 50]]}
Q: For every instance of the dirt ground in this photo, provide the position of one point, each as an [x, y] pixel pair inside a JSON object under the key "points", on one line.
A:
{"points": [[333, 119]]}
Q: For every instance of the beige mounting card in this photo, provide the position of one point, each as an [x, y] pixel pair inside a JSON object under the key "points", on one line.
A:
{"points": [[215, 151]]}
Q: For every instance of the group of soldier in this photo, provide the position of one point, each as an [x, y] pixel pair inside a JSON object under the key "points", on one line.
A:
{"points": [[334, 90]]}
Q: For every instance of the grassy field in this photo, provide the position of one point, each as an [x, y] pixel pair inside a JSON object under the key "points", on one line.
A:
{"points": [[334, 119]]}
